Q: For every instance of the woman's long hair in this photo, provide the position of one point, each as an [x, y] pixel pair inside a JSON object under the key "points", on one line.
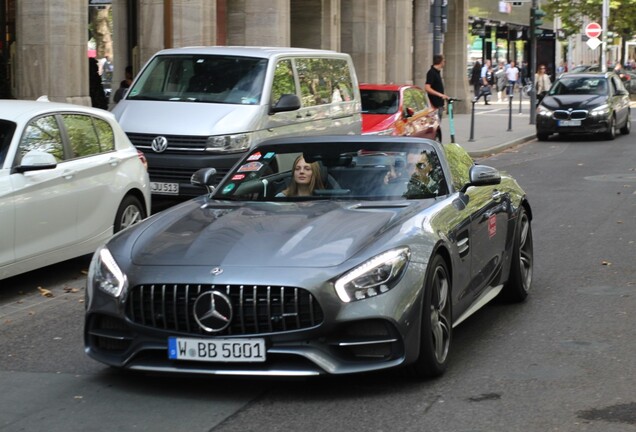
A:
{"points": [[315, 183]]}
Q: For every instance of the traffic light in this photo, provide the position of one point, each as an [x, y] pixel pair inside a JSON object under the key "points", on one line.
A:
{"points": [[537, 20], [609, 37]]}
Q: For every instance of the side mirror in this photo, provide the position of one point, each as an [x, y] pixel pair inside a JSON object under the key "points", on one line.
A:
{"points": [[35, 160], [204, 178], [482, 175], [287, 102], [408, 112]]}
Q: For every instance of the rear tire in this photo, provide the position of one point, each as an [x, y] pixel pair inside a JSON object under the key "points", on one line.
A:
{"points": [[436, 330], [129, 213], [520, 277]]}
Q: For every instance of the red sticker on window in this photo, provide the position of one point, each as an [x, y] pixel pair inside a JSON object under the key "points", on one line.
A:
{"points": [[492, 226]]}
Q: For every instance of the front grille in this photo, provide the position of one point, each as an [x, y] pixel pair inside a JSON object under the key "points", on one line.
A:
{"points": [[177, 144], [256, 308], [570, 115]]}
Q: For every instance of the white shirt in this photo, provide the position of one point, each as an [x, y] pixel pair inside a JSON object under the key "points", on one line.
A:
{"points": [[512, 73]]}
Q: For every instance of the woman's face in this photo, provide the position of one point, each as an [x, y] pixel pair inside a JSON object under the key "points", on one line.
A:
{"points": [[303, 172]]}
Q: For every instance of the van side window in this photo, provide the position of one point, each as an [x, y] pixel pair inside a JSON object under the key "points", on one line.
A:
{"points": [[324, 81], [284, 82]]}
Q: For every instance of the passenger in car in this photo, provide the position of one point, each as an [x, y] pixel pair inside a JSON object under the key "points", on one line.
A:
{"points": [[306, 177]]}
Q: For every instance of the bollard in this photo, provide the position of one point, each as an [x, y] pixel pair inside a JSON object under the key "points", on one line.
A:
{"points": [[520, 97], [510, 97], [472, 121]]}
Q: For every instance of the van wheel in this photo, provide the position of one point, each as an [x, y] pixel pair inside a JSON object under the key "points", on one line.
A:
{"points": [[129, 213]]}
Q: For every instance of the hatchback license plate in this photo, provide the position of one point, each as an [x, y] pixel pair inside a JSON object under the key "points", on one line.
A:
{"points": [[164, 188], [220, 350], [569, 122]]}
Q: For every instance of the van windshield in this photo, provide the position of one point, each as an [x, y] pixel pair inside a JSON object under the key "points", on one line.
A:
{"points": [[201, 78]]}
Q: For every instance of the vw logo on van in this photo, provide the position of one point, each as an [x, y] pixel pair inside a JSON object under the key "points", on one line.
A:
{"points": [[160, 144]]}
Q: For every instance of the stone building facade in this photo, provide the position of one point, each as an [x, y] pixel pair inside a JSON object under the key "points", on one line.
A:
{"points": [[389, 40]]}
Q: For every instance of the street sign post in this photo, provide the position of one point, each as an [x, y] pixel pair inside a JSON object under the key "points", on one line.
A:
{"points": [[593, 30]]}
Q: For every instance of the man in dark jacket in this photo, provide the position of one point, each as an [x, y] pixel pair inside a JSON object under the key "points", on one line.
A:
{"points": [[435, 85]]}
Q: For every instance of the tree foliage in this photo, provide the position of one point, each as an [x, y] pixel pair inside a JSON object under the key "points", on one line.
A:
{"points": [[575, 13]]}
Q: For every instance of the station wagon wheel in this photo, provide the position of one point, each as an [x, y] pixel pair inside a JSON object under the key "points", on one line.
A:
{"points": [[436, 329], [130, 212], [611, 129], [520, 278]]}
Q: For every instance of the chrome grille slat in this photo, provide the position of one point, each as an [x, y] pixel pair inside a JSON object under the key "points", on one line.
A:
{"points": [[256, 309]]}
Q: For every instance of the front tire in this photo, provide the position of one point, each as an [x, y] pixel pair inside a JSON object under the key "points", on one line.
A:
{"points": [[627, 127], [542, 136], [436, 331], [129, 213], [520, 278], [611, 129]]}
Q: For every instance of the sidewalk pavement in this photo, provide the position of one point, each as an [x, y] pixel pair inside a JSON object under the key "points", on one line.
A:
{"points": [[496, 127]]}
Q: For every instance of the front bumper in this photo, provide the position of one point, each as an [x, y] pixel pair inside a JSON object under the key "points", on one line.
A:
{"points": [[598, 124]]}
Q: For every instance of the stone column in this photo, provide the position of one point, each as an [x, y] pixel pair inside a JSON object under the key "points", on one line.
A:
{"points": [[51, 51], [399, 41], [364, 38], [120, 43], [422, 41], [456, 54], [315, 24], [258, 23]]}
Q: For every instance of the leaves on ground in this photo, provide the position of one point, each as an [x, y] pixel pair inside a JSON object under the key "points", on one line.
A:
{"points": [[45, 293]]}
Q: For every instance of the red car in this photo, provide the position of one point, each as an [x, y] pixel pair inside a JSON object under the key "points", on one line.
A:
{"points": [[393, 109]]}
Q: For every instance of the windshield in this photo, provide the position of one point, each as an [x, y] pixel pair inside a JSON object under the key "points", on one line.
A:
{"points": [[379, 101], [580, 85], [201, 78], [373, 170], [7, 129]]}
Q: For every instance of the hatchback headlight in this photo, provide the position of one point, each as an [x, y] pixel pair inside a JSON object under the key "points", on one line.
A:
{"points": [[229, 143], [601, 110], [373, 277], [543, 111], [105, 274], [382, 132]]}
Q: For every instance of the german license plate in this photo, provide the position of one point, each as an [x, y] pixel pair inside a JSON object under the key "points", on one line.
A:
{"points": [[569, 122], [218, 350], [164, 188]]}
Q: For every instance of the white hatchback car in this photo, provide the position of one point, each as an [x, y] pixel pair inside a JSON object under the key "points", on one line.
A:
{"points": [[69, 180]]}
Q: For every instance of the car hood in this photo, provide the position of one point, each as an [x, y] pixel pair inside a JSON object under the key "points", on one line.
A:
{"points": [[372, 123], [302, 234], [197, 118], [584, 102]]}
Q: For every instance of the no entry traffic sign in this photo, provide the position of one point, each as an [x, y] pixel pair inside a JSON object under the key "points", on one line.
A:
{"points": [[593, 30]]}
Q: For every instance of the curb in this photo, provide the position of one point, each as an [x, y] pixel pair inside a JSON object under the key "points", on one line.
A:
{"points": [[501, 147]]}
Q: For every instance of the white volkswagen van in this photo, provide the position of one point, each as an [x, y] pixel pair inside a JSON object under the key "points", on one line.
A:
{"points": [[197, 107]]}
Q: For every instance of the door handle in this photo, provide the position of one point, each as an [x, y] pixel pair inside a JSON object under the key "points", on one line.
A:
{"points": [[113, 161], [497, 195], [68, 174]]}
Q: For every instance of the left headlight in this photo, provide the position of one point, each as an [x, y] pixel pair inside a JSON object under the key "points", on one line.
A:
{"points": [[601, 110], [543, 111], [373, 277], [105, 274], [229, 143]]}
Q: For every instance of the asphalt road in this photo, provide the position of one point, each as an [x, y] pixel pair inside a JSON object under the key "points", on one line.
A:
{"points": [[562, 361]]}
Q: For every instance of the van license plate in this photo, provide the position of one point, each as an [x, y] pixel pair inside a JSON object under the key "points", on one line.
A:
{"points": [[164, 188], [219, 350], [569, 122]]}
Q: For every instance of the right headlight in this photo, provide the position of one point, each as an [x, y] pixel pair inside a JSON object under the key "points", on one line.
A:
{"points": [[373, 277], [104, 274], [543, 111], [229, 143]]}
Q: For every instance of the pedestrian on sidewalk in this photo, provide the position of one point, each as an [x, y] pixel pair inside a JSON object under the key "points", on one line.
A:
{"points": [[486, 83], [542, 82], [501, 82], [435, 85], [512, 73], [475, 78]]}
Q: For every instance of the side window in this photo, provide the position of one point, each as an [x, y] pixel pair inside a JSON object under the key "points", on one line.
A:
{"points": [[284, 82], [82, 135], [420, 99], [409, 101], [105, 135], [460, 162], [42, 134], [323, 81]]}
